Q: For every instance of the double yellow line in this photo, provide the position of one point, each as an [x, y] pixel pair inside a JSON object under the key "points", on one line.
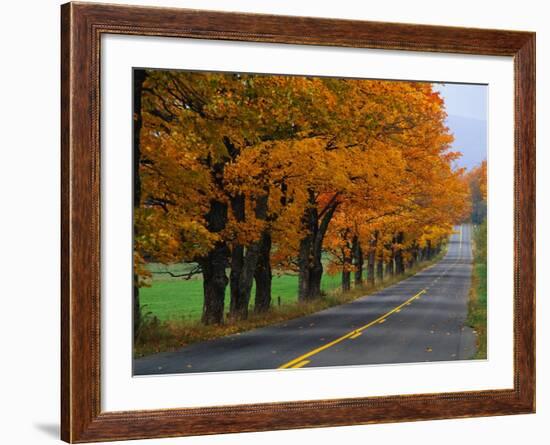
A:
{"points": [[301, 361]]}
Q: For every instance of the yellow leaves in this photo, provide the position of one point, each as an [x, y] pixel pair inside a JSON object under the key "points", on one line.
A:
{"points": [[244, 232], [171, 236], [379, 147], [483, 179]]}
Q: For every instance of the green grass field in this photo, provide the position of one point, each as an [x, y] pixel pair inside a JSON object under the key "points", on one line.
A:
{"points": [[171, 298], [477, 309]]}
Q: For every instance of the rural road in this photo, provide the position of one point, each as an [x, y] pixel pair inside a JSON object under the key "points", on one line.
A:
{"points": [[417, 320]]}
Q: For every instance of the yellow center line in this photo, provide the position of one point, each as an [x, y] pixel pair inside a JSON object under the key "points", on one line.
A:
{"points": [[300, 361], [297, 362]]}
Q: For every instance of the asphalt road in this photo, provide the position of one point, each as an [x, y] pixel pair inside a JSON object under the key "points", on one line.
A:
{"points": [[419, 319]]}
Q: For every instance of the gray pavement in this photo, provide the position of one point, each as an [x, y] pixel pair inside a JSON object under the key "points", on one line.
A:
{"points": [[419, 319]]}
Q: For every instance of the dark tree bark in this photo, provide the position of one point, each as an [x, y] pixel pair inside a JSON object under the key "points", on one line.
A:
{"points": [[309, 258], [399, 264], [263, 275], [370, 268], [380, 269], [358, 261], [237, 257], [346, 280], [347, 256], [413, 255], [213, 264], [304, 268], [428, 250], [244, 267], [371, 259], [139, 79], [214, 284]]}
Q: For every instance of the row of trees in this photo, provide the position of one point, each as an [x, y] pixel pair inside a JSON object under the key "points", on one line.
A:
{"points": [[477, 181], [251, 173]]}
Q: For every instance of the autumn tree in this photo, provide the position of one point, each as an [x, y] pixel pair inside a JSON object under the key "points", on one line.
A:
{"points": [[416, 188], [197, 126], [477, 182], [248, 173]]}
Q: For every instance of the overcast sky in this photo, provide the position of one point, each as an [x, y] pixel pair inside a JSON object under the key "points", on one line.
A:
{"points": [[466, 106]]}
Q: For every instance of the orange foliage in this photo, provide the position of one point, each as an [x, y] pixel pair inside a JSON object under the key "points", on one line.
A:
{"points": [[378, 149]]}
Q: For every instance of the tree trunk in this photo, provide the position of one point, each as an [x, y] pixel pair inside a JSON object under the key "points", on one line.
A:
{"points": [[243, 275], [380, 269], [311, 246], [214, 284], [371, 260], [358, 262], [399, 264], [306, 260], [304, 268], [390, 262], [237, 258], [389, 266], [213, 264], [139, 79], [310, 271], [347, 255], [370, 268], [413, 256], [263, 275], [346, 280], [315, 277], [428, 249]]}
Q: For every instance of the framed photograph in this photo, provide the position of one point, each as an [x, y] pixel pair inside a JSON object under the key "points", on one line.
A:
{"points": [[275, 222]]}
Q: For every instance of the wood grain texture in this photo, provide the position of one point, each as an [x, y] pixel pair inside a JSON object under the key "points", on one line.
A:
{"points": [[82, 26]]}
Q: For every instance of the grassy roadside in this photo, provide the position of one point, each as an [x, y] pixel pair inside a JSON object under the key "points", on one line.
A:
{"points": [[477, 307], [171, 299], [165, 335]]}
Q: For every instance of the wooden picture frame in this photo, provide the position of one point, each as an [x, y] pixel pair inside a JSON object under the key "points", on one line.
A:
{"points": [[82, 26]]}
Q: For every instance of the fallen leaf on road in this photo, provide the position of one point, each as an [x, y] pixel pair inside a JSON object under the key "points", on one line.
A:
{"points": [[428, 349]]}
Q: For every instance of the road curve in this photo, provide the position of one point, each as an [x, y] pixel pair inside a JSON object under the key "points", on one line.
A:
{"points": [[416, 320]]}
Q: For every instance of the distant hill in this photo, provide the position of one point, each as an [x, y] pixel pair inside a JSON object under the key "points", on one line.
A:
{"points": [[470, 139]]}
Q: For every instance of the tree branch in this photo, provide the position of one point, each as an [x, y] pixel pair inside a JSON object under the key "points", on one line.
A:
{"points": [[185, 276]]}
